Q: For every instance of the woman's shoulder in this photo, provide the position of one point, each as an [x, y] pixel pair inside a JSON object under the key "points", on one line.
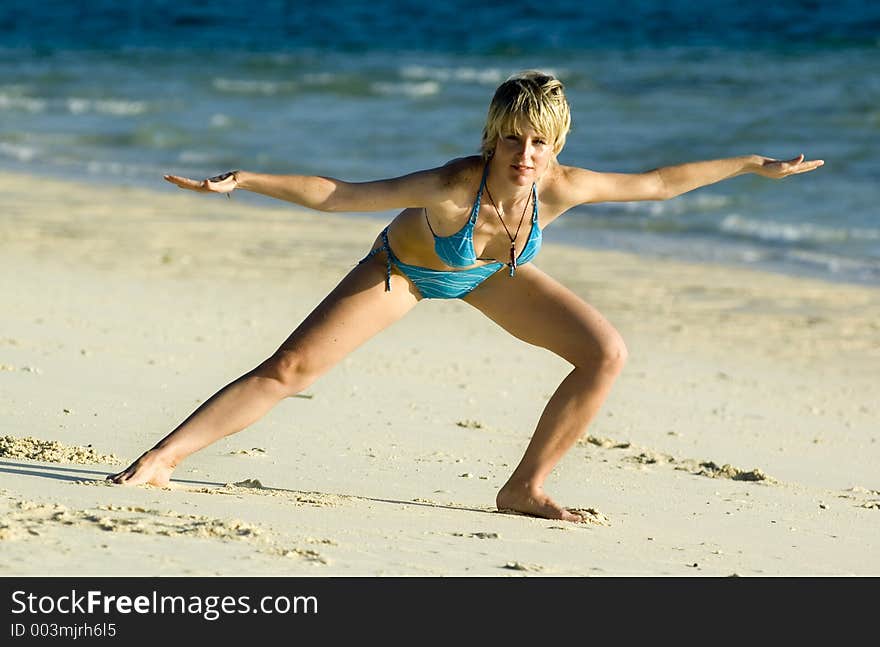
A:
{"points": [[560, 178], [558, 173], [562, 184], [456, 185], [461, 172]]}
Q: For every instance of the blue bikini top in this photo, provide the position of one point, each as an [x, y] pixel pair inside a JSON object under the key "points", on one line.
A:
{"points": [[457, 250]]}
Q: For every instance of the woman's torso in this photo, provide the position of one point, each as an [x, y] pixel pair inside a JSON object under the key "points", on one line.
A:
{"points": [[412, 239]]}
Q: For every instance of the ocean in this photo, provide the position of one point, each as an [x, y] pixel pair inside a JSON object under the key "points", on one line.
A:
{"points": [[124, 92]]}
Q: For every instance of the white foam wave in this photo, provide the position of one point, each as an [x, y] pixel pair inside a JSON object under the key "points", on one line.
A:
{"points": [[194, 157], [674, 207], [14, 101], [253, 86], [837, 264], [115, 107], [793, 232], [18, 152], [97, 167], [423, 89], [490, 76]]}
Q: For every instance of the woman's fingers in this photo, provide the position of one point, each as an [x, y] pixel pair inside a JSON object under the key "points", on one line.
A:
{"points": [[803, 167], [186, 183], [798, 165], [223, 183], [783, 168]]}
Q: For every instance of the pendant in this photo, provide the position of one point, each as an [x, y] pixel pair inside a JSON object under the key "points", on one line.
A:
{"points": [[512, 263]]}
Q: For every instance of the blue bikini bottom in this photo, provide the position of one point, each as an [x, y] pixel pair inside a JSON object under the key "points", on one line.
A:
{"points": [[434, 284]]}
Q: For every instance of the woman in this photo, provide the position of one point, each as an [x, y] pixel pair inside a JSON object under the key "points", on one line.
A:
{"points": [[463, 233]]}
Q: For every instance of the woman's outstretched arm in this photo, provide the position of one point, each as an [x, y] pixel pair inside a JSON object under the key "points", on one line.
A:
{"points": [[329, 194], [583, 186]]}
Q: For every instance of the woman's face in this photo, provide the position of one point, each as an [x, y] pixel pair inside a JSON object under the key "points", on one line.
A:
{"points": [[522, 158]]}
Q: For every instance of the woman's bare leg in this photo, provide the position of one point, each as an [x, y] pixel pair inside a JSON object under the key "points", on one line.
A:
{"points": [[356, 309], [537, 309]]}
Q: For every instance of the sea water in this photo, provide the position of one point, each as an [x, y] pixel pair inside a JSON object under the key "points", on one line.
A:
{"points": [[124, 92]]}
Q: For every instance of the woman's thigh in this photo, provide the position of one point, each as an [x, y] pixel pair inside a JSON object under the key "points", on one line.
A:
{"points": [[355, 310], [537, 309]]}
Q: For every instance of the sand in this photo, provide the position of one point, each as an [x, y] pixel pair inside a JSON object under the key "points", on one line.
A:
{"points": [[741, 438]]}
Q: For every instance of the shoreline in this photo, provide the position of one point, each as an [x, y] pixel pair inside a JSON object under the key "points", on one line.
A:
{"points": [[130, 306], [649, 245]]}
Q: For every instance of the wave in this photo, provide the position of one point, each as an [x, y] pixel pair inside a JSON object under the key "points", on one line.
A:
{"points": [[326, 82], [114, 107], [254, 86], [676, 206], [850, 269], [195, 157], [18, 152], [423, 89], [13, 99], [700, 214], [653, 215], [793, 232], [487, 76]]}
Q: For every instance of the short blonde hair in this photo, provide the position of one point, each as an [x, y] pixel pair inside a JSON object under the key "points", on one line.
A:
{"points": [[530, 97]]}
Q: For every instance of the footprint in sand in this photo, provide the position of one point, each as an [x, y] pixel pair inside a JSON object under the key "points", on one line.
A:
{"points": [[522, 566], [699, 468], [305, 553], [727, 471], [650, 458], [247, 483], [23, 369], [605, 443], [253, 451]]}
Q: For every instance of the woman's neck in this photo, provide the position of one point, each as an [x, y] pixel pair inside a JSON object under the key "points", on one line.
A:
{"points": [[506, 192]]}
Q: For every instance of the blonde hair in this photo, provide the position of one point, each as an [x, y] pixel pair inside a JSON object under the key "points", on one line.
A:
{"points": [[529, 98]]}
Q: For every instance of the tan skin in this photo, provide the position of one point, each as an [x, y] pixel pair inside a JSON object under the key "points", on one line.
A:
{"points": [[532, 306]]}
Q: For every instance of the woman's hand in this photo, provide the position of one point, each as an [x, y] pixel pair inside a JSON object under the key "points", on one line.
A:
{"points": [[776, 169], [223, 183]]}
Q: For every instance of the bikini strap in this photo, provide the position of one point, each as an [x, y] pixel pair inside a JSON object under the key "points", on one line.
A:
{"points": [[387, 249], [428, 220], [384, 247], [534, 202]]}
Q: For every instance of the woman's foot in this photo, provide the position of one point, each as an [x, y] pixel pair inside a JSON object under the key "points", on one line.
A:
{"points": [[533, 501], [152, 468]]}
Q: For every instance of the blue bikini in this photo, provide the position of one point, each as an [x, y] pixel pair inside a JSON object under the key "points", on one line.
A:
{"points": [[457, 250]]}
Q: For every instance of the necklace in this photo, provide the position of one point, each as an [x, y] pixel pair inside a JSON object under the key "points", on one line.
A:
{"points": [[512, 262]]}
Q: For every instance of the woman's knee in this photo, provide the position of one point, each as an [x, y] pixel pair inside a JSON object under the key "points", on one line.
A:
{"points": [[291, 370], [616, 354], [609, 355]]}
